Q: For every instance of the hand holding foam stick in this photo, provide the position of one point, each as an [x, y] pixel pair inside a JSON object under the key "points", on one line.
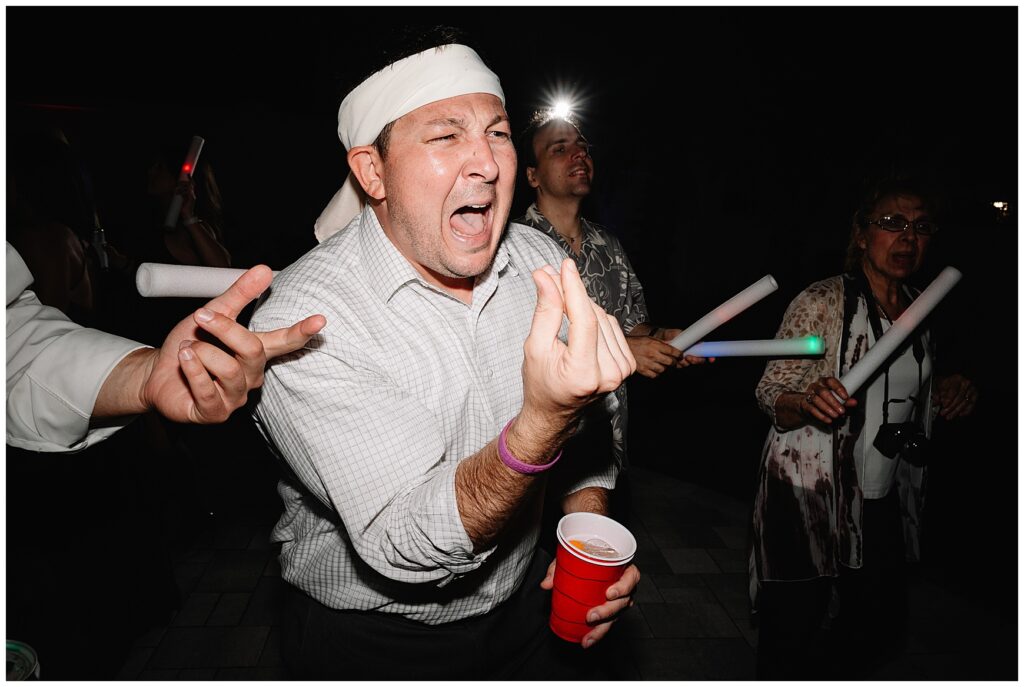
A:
{"points": [[156, 280], [904, 325], [187, 168]]}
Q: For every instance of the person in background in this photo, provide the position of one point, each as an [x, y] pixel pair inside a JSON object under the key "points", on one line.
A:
{"points": [[50, 214], [560, 169], [838, 507]]}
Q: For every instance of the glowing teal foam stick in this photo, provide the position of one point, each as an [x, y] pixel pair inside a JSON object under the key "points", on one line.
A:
{"points": [[775, 348]]}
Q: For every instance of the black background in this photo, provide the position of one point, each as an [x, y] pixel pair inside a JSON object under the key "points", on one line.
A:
{"points": [[730, 142]]}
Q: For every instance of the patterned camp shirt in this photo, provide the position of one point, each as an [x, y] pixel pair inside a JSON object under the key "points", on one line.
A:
{"points": [[612, 283]]}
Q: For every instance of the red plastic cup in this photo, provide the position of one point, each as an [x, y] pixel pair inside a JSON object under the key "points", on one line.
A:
{"points": [[581, 579]]}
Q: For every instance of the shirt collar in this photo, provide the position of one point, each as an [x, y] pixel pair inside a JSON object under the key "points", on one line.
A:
{"points": [[537, 219], [390, 270]]}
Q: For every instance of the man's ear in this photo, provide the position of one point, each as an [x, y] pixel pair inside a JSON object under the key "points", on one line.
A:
{"points": [[367, 167], [531, 177]]}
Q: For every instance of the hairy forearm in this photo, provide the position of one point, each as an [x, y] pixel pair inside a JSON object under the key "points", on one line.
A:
{"points": [[122, 391], [489, 492], [587, 500]]}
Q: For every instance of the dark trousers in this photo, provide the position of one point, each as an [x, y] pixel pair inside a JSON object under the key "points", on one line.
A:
{"points": [[796, 639], [512, 642]]}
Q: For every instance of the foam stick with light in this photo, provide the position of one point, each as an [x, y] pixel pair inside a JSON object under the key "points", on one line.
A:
{"points": [[904, 325], [155, 280], [725, 312], [189, 166], [775, 348]]}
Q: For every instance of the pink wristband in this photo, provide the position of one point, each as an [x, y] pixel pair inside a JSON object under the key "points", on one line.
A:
{"points": [[522, 468]]}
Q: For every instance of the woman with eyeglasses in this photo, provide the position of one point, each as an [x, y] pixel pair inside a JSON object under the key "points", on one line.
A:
{"points": [[837, 510]]}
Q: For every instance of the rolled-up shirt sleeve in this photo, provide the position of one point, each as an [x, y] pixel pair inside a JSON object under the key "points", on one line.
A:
{"points": [[369, 451], [55, 369]]}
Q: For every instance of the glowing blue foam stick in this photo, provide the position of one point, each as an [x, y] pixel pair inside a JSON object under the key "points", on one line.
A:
{"points": [[725, 312], [775, 348]]}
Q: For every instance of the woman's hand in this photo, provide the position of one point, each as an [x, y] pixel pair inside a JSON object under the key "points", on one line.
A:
{"points": [[955, 396], [819, 401], [816, 403]]}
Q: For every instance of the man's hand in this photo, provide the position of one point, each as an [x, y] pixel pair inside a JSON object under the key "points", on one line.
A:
{"points": [[619, 595], [560, 379], [188, 380], [654, 354]]}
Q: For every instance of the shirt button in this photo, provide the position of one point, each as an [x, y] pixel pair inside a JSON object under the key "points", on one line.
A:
{"points": [[490, 374]]}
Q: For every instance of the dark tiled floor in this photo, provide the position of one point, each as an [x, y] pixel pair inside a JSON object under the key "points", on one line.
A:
{"points": [[691, 621]]}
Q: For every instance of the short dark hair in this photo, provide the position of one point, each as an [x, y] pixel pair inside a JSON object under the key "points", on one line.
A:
{"points": [[538, 121], [408, 41], [890, 187]]}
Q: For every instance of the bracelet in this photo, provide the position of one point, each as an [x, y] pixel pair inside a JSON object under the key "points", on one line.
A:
{"points": [[192, 220], [522, 468]]}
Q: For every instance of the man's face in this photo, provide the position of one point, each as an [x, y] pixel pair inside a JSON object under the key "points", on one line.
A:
{"points": [[448, 179], [564, 166]]}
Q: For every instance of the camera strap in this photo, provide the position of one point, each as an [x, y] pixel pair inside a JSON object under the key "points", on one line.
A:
{"points": [[876, 327]]}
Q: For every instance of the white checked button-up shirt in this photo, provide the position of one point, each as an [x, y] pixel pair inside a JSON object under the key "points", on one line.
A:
{"points": [[374, 416]]}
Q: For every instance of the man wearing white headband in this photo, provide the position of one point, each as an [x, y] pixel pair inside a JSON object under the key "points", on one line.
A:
{"points": [[420, 430]]}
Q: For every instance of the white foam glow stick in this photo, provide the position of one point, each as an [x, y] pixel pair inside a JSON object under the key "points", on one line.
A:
{"points": [[191, 160], [807, 345], [725, 312], [899, 331], [155, 280]]}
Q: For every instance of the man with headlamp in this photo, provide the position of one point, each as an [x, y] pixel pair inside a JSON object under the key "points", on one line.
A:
{"points": [[560, 169], [419, 431]]}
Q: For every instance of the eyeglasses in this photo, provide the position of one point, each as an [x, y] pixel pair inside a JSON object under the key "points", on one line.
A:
{"points": [[899, 224]]}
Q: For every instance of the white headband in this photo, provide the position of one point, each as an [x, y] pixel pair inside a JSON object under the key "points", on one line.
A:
{"points": [[393, 92]]}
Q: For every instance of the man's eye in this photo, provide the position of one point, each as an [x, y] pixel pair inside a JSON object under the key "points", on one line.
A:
{"points": [[558, 150], [449, 137], [501, 134]]}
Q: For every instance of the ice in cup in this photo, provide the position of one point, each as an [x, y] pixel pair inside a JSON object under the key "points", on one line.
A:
{"points": [[593, 552]]}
